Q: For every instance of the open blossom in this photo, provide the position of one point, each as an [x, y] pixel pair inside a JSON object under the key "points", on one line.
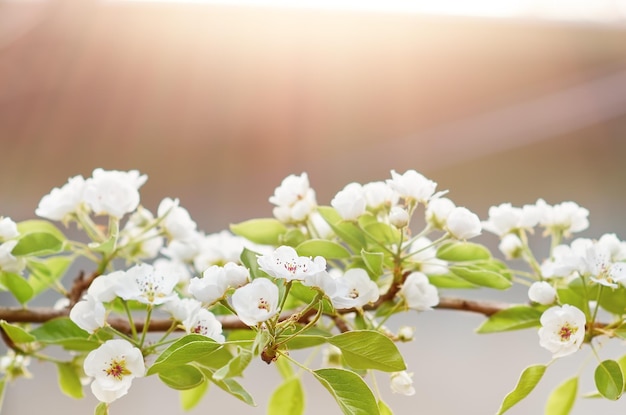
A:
{"points": [[354, 289], [113, 366], [216, 280], [424, 254], [438, 210], [256, 302], [463, 224], [203, 322], [542, 292], [566, 217], [294, 199], [379, 195], [402, 383], [220, 248], [113, 192], [182, 308], [285, 263], [62, 202], [562, 330], [145, 284], [175, 219], [350, 201], [323, 281], [9, 262], [88, 314], [8, 229], [505, 218], [418, 293], [412, 185]]}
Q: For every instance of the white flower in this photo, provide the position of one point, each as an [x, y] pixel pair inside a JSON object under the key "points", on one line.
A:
{"points": [[105, 287], [562, 330], [285, 263], [566, 217], [147, 285], [140, 242], [203, 322], [418, 293], [379, 195], [511, 246], [354, 289], [256, 302], [88, 314], [350, 202], [406, 333], [174, 268], [504, 219], [320, 226], [219, 249], [402, 382], [424, 254], [13, 365], [60, 203], [331, 356], [412, 185], [175, 219], [113, 366], [182, 308], [542, 292], [113, 192], [8, 262], [8, 229], [183, 250], [398, 217], [438, 210], [463, 224], [216, 280], [294, 199], [322, 280]]}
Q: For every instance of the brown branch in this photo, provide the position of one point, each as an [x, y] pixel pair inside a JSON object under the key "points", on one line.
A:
{"points": [[80, 286]]}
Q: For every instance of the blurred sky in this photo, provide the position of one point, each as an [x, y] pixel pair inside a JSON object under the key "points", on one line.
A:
{"points": [[217, 104]]}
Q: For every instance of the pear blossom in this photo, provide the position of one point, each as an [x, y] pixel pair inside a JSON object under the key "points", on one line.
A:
{"points": [[354, 289], [145, 284], [285, 263], [379, 195], [203, 322], [181, 309], [177, 269], [463, 224], [418, 293], [105, 287], [113, 366], [350, 201], [511, 246], [424, 255], [332, 357], [562, 330], [183, 250], [406, 333], [9, 262], [398, 217], [294, 199], [505, 219], [216, 280], [139, 237], [256, 302], [542, 292], [113, 192], [175, 219], [412, 185], [8, 229], [14, 365], [437, 212], [322, 280], [60, 203], [402, 383], [88, 314], [565, 217], [321, 228]]}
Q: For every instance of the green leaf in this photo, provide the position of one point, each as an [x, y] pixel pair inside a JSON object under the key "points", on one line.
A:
{"points": [[284, 368], [235, 366], [349, 232], [349, 390], [264, 231], [69, 380], [529, 378], [384, 409], [324, 248], [288, 398], [622, 365], [609, 379], [373, 261], [182, 377], [189, 398], [614, 300], [102, 409], [249, 259], [561, 400], [512, 318], [187, 349], [64, 332], [383, 233], [38, 243], [40, 226], [480, 275], [293, 237], [450, 281], [463, 251], [17, 285], [2, 389], [365, 349], [43, 274], [231, 386], [16, 333]]}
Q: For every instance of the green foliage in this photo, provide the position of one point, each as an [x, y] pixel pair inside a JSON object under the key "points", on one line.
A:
{"points": [[17, 285], [349, 390], [609, 379], [266, 231], [64, 332], [190, 398], [69, 379], [529, 378], [482, 274], [513, 318], [235, 366], [384, 409], [288, 398], [187, 349], [324, 248], [16, 333], [102, 409], [181, 377], [46, 272], [463, 251], [561, 400], [365, 349]]}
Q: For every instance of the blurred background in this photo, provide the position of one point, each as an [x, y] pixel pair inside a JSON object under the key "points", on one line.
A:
{"points": [[218, 102]]}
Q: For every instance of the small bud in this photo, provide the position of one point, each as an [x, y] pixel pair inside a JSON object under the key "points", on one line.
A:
{"points": [[398, 217]]}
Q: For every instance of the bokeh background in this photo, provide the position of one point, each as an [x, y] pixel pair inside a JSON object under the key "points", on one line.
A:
{"points": [[217, 103]]}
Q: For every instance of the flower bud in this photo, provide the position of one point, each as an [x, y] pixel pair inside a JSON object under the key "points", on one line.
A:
{"points": [[398, 217]]}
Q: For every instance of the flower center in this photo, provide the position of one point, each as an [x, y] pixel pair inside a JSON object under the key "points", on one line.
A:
{"points": [[117, 368], [354, 293], [150, 286], [566, 332], [263, 304]]}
